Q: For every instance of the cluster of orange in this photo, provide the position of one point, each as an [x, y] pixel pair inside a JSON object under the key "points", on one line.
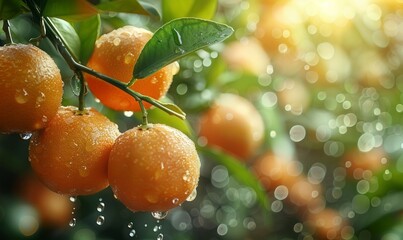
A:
{"points": [[72, 152], [233, 125]]}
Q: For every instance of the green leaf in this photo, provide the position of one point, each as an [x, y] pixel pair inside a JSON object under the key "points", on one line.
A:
{"points": [[68, 35], [156, 115], [188, 8], [176, 39], [239, 171], [10, 8], [71, 10], [126, 6], [152, 7], [88, 31]]}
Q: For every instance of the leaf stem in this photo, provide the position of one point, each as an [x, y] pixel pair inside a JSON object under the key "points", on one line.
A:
{"points": [[7, 30], [53, 35]]}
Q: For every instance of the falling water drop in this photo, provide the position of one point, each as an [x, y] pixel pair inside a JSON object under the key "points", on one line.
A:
{"points": [[73, 222], [100, 220], [25, 136], [160, 236], [159, 215], [73, 199], [132, 233], [101, 207]]}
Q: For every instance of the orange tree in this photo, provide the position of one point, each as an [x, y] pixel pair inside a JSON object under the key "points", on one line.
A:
{"points": [[324, 136]]}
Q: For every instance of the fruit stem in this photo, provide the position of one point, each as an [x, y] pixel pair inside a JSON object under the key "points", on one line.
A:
{"points": [[7, 30], [83, 90], [53, 35], [144, 113]]}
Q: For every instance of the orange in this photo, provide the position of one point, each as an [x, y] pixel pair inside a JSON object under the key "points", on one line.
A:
{"points": [[53, 209], [31, 88], [115, 55], [327, 224], [153, 169], [70, 156], [234, 125], [358, 163], [274, 171]]}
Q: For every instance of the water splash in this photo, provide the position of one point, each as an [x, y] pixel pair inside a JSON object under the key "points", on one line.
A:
{"points": [[25, 136], [159, 215]]}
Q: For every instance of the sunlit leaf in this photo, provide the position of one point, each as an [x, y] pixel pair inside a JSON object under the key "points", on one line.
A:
{"points": [[239, 171], [71, 10], [127, 6], [10, 8], [188, 8], [68, 35], [88, 31], [176, 39], [156, 115]]}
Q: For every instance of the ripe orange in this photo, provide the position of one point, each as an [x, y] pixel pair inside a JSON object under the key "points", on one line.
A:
{"points": [[234, 125], [153, 169], [54, 209], [31, 88], [274, 171], [115, 55], [327, 224], [70, 156], [359, 163]]}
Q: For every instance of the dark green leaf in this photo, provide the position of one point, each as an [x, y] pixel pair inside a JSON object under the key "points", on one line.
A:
{"points": [[156, 115], [88, 31], [10, 8], [239, 171], [152, 7], [188, 8], [176, 39], [127, 6], [71, 10], [68, 35]]}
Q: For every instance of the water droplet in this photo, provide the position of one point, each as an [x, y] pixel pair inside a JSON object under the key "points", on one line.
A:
{"points": [[116, 41], [155, 229], [159, 215], [130, 225], [175, 201], [83, 171], [192, 196], [73, 222], [101, 207], [160, 236], [179, 50], [177, 37], [100, 220], [75, 85], [25, 136], [21, 96], [132, 233], [129, 58], [73, 199]]}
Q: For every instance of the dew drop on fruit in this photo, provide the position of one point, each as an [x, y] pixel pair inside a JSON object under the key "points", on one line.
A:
{"points": [[129, 58], [21, 96], [73, 222], [159, 215], [100, 220], [116, 41], [175, 201], [175, 68], [25, 136], [192, 196]]}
